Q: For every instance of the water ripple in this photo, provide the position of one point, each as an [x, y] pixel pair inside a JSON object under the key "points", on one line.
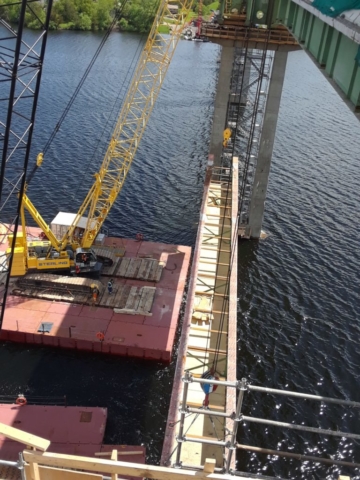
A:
{"points": [[298, 319]]}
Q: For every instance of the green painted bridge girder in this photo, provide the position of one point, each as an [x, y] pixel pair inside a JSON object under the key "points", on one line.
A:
{"points": [[337, 53], [334, 52]]}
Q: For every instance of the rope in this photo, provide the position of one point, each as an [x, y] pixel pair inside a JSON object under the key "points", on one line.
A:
{"points": [[125, 82], [117, 15]]}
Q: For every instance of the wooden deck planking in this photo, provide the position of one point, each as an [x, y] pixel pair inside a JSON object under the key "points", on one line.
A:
{"points": [[123, 267], [150, 299], [137, 298], [153, 268], [118, 294], [147, 269], [137, 266], [131, 299], [131, 268], [158, 273], [139, 301], [143, 299], [124, 295]]}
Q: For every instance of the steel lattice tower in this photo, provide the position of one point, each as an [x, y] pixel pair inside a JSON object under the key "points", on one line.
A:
{"points": [[21, 63]]}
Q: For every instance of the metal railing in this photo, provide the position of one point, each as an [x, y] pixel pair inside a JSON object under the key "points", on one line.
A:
{"points": [[238, 417], [20, 464]]}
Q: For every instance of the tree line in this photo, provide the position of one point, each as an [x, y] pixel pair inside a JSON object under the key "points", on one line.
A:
{"points": [[138, 15]]}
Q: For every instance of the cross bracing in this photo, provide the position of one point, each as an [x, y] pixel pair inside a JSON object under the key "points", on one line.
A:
{"points": [[21, 62]]}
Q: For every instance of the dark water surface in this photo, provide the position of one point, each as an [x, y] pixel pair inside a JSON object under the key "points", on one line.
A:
{"points": [[299, 289], [298, 321]]}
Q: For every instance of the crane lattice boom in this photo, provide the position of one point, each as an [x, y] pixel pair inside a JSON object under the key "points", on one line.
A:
{"points": [[138, 104]]}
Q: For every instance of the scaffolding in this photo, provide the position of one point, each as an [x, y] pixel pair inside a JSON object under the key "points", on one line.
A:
{"points": [[229, 443]]}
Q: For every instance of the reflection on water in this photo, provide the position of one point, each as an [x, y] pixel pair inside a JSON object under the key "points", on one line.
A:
{"points": [[298, 320]]}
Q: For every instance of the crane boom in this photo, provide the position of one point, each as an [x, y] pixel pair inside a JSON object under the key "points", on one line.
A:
{"points": [[72, 251], [26, 203], [137, 106]]}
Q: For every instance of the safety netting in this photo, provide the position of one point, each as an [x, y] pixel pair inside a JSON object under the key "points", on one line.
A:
{"points": [[333, 8]]}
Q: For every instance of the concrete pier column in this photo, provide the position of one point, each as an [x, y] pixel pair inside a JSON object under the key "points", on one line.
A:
{"points": [[221, 102], [257, 202]]}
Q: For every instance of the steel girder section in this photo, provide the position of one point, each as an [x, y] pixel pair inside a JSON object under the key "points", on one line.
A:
{"points": [[21, 62], [332, 43]]}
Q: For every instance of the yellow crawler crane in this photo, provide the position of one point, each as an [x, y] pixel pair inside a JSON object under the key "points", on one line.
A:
{"points": [[74, 253]]}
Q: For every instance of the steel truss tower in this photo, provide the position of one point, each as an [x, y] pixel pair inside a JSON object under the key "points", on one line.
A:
{"points": [[21, 62], [245, 114]]}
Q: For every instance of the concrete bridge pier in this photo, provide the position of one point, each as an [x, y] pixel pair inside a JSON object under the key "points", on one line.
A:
{"points": [[261, 178]]}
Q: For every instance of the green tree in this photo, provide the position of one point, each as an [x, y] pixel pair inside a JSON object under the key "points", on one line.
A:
{"points": [[85, 6], [102, 18], [139, 15], [84, 22], [9, 13], [35, 17], [56, 19], [67, 10]]}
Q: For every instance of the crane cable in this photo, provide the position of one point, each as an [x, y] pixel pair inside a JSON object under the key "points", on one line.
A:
{"points": [[39, 159], [105, 129], [125, 83]]}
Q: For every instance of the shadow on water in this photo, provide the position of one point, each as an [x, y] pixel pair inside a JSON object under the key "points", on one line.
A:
{"points": [[136, 393]]}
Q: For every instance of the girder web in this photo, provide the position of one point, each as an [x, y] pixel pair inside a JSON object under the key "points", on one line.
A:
{"points": [[132, 121], [20, 73]]}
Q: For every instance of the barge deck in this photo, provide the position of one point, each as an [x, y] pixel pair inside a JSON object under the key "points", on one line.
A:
{"points": [[71, 430], [138, 319]]}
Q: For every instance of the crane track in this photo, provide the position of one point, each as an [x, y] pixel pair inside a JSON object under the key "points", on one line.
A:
{"points": [[58, 283]]}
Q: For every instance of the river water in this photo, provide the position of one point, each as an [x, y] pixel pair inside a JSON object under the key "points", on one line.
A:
{"points": [[298, 309]]}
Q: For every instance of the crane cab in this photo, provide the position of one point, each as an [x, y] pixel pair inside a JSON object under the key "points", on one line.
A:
{"points": [[86, 261]]}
